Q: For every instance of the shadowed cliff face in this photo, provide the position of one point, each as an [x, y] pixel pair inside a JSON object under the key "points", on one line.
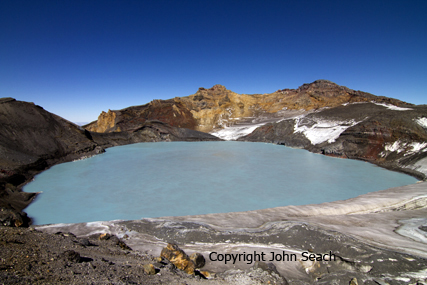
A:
{"points": [[217, 107], [29, 133], [32, 140]]}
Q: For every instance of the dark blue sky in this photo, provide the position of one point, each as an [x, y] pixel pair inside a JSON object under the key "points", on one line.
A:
{"points": [[78, 58]]}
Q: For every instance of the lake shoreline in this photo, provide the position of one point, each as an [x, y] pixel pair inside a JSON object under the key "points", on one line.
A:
{"points": [[174, 175], [363, 231], [301, 223]]}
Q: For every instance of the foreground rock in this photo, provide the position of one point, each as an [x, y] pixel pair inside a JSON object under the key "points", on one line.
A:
{"points": [[179, 258], [28, 256]]}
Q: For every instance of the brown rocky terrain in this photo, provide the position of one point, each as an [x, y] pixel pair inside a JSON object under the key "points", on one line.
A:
{"points": [[29, 256], [391, 138], [216, 107]]}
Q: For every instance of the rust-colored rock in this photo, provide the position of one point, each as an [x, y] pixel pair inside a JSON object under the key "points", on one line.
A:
{"points": [[172, 112], [178, 257]]}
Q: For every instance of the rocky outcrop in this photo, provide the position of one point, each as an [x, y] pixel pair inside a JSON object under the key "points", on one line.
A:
{"points": [[32, 140], [390, 136], [215, 108], [171, 112]]}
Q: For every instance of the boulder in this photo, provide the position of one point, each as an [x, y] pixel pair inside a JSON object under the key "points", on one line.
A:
{"points": [[12, 218], [198, 259], [178, 257]]}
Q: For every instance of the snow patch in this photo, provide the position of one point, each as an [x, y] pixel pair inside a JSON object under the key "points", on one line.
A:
{"points": [[422, 121], [345, 104], [224, 118], [395, 147], [392, 107], [408, 148], [235, 132], [322, 130], [417, 147]]}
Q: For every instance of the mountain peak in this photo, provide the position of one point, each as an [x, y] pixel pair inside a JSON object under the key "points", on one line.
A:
{"points": [[216, 87]]}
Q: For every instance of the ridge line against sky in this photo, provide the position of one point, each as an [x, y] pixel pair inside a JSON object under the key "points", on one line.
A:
{"points": [[78, 58]]}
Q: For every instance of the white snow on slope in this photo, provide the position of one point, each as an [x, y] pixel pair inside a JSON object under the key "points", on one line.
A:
{"points": [[322, 130], [394, 147], [392, 107], [235, 132], [409, 148], [422, 121], [345, 104], [248, 124]]}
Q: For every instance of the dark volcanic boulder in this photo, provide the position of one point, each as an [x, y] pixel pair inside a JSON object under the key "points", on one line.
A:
{"points": [[12, 218]]}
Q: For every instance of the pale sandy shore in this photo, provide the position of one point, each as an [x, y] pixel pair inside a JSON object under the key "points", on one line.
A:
{"points": [[377, 237]]}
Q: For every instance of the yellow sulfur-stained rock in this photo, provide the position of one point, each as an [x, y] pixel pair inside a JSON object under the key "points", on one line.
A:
{"points": [[178, 257]]}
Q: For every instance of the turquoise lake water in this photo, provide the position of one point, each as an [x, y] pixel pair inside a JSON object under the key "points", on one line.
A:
{"points": [[188, 178]]}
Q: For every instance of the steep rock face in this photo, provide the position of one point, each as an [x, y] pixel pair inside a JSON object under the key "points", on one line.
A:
{"points": [[216, 108], [106, 121], [171, 111], [32, 140], [383, 134], [29, 133]]}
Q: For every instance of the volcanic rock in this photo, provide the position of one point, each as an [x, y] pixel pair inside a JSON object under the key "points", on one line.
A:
{"points": [[217, 107], [198, 260], [386, 135], [178, 257]]}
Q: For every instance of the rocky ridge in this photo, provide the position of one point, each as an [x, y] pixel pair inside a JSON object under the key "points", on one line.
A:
{"points": [[389, 136], [217, 107]]}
